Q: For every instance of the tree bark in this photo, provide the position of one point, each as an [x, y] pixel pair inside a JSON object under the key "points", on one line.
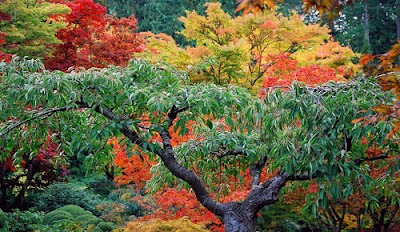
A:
{"points": [[398, 18], [240, 219], [366, 24], [19, 200]]}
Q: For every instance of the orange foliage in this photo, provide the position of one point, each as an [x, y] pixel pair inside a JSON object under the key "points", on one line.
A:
{"points": [[283, 70], [135, 169]]}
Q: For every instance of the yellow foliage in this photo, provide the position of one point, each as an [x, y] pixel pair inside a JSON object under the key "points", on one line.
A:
{"points": [[350, 221], [236, 50], [162, 48], [158, 225]]}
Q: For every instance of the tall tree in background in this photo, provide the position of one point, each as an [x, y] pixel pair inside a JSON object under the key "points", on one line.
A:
{"points": [[30, 26], [376, 34], [161, 16]]}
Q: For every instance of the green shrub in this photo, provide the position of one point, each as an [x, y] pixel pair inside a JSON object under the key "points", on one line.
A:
{"points": [[281, 217], [74, 210], [60, 194], [100, 185], [26, 221], [74, 218], [3, 222], [56, 215], [106, 226]]}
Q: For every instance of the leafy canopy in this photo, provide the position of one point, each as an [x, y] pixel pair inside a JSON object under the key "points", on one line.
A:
{"points": [[304, 130], [30, 26]]}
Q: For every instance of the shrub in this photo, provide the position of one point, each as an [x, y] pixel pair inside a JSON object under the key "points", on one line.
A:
{"points": [[55, 216], [157, 225], [60, 194], [74, 218], [26, 221], [106, 226], [3, 222], [100, 185]]}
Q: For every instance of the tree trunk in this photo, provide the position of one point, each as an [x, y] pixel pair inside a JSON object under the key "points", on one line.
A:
{"points": [[19, 200], [239, 219], [109, 173], [398, 18], [377, 228], [3, 201], [366, 24]]}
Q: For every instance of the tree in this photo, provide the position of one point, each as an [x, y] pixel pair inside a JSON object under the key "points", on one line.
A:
{"points": [[20, 171], [378, 36], [239, 50], [30, 26], [93, 39], [161, 16], [298, 135]]}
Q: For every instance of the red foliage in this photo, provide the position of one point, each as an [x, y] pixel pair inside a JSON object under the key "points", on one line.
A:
{"points": [[283, 70], [3, 56], [93, 39]]}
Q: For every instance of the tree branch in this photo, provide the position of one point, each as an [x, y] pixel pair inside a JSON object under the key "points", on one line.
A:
{"points": [[169, 160], [228, 153], [173, 113], [255, 172], [43, 114], [266, 193], [381, 156]]}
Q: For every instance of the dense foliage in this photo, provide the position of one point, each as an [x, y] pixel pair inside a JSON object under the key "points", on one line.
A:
{"points": [[253, 120]]}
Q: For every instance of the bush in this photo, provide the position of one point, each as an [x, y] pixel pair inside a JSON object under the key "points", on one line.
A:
{"points": [[60, 194], [3, 222], [281, 217], [55, 216], [106, 226], [100, 185], [74, 218], [158, 225], [26, 221], [124, 196]]}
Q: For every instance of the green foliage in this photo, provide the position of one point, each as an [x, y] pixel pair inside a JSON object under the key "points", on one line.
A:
{"points": [[4, 226], [281, 217], [301, 130], [60, 194], [382, 26], [99, 185], [72, 216], [161, 16], [27, 221], [105, 226], [32, 26]]}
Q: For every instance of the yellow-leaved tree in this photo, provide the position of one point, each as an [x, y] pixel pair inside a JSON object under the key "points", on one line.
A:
{"points": [[240, 50]]}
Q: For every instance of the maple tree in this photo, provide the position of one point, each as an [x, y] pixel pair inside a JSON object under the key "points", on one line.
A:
{"points": [[237, 50], [30, 26], [297, 135], [94, 39], [20, 171]]}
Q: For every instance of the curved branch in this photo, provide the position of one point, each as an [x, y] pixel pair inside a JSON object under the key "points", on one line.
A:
{"points": [[169, 160]]}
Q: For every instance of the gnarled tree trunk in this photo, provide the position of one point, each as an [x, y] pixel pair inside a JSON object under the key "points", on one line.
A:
{"points": [[240, 219]]}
